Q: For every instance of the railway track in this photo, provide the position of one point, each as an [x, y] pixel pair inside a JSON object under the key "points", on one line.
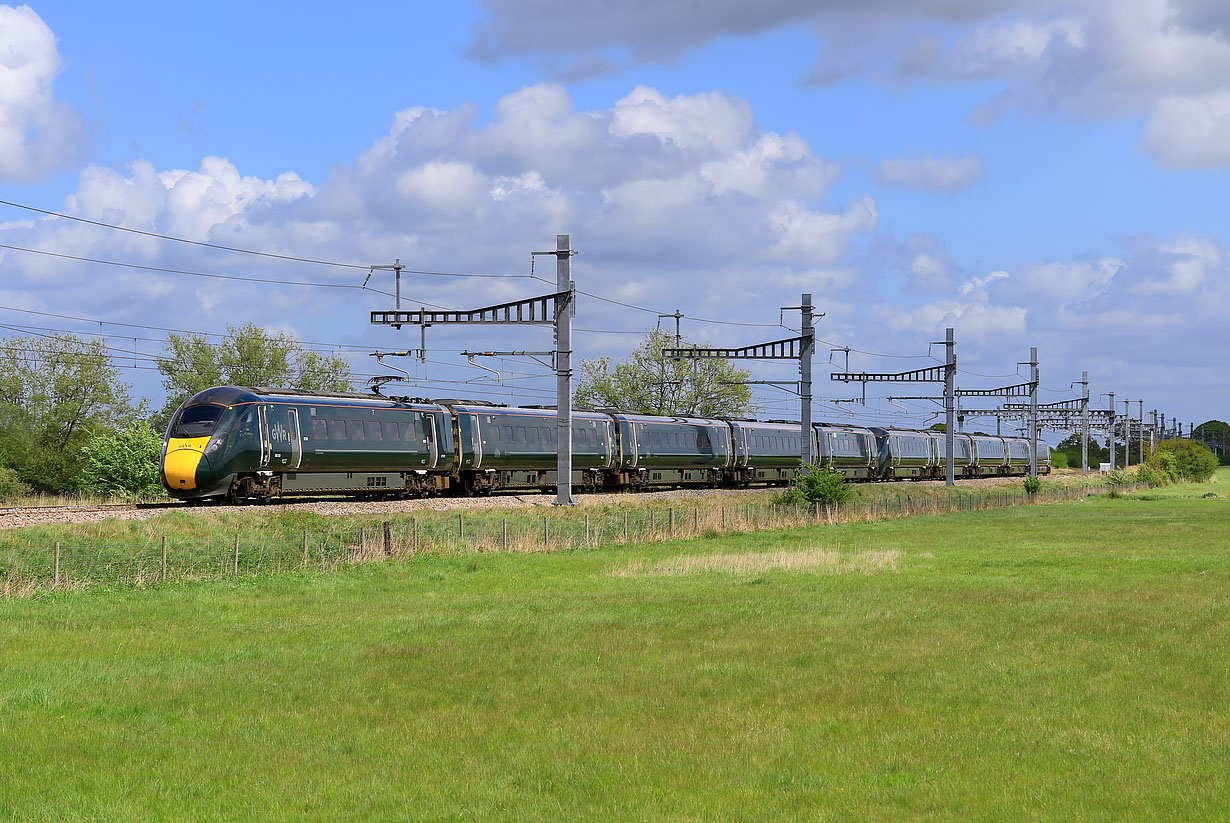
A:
{"points": [[95, 507]]}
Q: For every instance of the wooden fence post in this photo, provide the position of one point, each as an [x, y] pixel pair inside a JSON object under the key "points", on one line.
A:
{"points": [[670, 513], [461, 527], [388, 539], [652, 518], [504, 529], [164, 559], [362, 540], [414, 527], [305, 549], [546, 533], [55, 580], [587, 529], [236, 566], [625, 525]]}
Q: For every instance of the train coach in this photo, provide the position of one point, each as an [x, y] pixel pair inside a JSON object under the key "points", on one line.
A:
{"points": [[242, 443]]}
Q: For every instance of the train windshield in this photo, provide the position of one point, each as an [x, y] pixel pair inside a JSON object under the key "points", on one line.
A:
{"points": [[197, 421]]}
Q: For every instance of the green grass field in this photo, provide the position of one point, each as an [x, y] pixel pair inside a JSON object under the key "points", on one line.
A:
{"points": [[1059, 662]]}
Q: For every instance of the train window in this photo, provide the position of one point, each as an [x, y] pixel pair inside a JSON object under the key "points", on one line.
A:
{"points": [[533, 433], [506, 434], [548, 435], [355, 429], [373, 430], [518, 434], [320, 429], [408, 432], [197, 421], [493, 434], [703, 443], [391, 431], [338, 429]]}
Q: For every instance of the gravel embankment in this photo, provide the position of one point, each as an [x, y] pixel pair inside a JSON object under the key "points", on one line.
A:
{"points": [[342, 508]]}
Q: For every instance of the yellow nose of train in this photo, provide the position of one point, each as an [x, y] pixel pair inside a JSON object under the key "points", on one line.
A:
{"points": [[183, 457]]}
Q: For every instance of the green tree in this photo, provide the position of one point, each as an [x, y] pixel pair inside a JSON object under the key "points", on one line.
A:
{"points": [[123, 462], [247, 356], [1185, 460], [1216, 433], [55, 390], [648, 383]]}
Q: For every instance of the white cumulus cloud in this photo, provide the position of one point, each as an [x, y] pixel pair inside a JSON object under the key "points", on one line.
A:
{"points": [[38, 134]]}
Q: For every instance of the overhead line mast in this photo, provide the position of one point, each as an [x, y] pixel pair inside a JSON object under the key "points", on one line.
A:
{"points": [[801, 348], [550, 309]]}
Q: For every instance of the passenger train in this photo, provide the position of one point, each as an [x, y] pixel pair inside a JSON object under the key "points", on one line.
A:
{"points": [[239, 444]]}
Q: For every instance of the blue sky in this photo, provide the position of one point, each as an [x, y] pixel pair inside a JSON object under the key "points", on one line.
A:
{"points": [[1049, 174]]}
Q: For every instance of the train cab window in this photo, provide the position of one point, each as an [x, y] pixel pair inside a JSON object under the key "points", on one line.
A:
{"points": [[337, 428], [373, 430], [355, 429], [320, 429], [197, 421], [391, 431]]}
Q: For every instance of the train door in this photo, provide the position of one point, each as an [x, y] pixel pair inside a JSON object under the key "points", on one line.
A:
{"points": [[433, 440], [262, 434], [281, 437], [476, 423]]}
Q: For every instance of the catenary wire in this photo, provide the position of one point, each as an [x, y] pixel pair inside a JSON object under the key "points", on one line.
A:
{"points": [[165, 270], [238, 250]]}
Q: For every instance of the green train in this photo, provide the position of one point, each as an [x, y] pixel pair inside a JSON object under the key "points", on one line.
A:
{"points": [[241, 443]]}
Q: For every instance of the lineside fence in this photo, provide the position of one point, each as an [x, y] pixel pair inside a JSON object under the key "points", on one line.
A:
{"points": [[30, 570]]}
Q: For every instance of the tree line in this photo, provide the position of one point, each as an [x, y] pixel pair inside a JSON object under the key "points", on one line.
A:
{"points": [[69, 422]]}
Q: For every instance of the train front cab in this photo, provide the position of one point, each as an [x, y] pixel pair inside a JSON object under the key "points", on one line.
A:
{"points": [[255, 444], [208, 442]]}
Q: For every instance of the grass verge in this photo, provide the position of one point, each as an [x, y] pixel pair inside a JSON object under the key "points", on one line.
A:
{"points": [[1064, 662]]}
